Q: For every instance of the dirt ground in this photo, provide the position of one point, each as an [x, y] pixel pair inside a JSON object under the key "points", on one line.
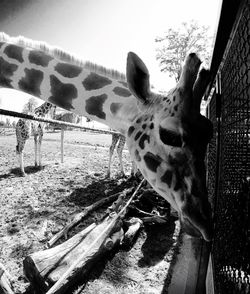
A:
{"points": [[35, 207]]}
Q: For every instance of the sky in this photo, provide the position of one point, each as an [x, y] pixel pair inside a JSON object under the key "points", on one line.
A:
{"points": [[101, 31]]}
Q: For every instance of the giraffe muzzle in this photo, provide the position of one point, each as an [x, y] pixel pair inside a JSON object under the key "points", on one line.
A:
{"points": [[197, 222]]}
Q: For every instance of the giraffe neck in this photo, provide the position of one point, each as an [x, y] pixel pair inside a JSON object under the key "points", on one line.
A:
{"points": [[55, 76]]}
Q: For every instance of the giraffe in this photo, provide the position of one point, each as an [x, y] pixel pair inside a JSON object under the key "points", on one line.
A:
{"points": [[118, 141], [67, 117], [25, 127], [166, 135]]}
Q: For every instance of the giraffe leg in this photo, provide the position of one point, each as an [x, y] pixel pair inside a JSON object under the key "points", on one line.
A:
{"points": [[115, 139], [35, 144], [62, 144], [19, 151], [119, 150], [40, 138]]}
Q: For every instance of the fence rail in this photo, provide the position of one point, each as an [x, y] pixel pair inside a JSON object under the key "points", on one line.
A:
{"points": [[52, 121]]}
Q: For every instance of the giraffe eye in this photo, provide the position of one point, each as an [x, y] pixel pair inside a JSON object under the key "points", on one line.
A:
{"points": [[170, 138]]}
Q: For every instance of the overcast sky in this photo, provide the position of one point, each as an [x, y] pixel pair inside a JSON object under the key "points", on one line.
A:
{"points": [[102, 31]]}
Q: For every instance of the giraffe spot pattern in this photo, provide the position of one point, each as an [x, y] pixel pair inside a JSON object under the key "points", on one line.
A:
{"points": [[144, 126], [94, 106], [131, 130], [6, 72], [15, 52], [167, 178], [68, 70], [95, 81], [121, 92], [39, 58], [31, 82], [138, 120], [151, 126], [138, 135], [114, 107], [137, 156], [142, 140], [62, 94], [152, 161], [176, 107]]}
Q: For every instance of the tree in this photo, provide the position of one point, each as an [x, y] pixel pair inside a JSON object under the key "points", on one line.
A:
{"points": [[178, 42], [7, 123], [30, 106]]}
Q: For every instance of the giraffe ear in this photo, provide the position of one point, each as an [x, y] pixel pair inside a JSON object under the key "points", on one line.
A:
{"points": [[138, 77]]}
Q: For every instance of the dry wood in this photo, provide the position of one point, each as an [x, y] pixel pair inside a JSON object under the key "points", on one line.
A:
{"points": [[134, 225], [48, 263], [88, 256], [115, 238], [154, 219], [93, 246], [5, 285], [78, 217], [64, 264]]}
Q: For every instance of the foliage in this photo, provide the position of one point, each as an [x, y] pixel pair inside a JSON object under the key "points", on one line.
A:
{"points": [[30, 106], [176, 43]]}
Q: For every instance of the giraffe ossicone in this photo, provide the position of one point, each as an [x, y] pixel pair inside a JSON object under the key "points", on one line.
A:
{"points": [[166, 134]]}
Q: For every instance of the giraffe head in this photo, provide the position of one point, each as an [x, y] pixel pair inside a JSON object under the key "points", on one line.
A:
{"points": [[168, 141]]}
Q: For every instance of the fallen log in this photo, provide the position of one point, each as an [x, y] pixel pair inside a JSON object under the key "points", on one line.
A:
{"points": [[5, 285], [44, 267], [154, 219], [79, 217], [64, 264], [134, 225]]}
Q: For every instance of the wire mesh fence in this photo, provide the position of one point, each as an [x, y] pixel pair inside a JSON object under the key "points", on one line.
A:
{"points": [[229, 165]]}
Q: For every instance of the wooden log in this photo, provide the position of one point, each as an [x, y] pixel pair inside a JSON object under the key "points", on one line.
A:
{"points": [[134, 225], [154, 219], [5, 285], [78, 217], [74, 263], [40, 267], [91, 250]]}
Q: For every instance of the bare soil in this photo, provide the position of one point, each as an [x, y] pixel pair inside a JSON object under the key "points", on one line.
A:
{"points": [[35, 207]]}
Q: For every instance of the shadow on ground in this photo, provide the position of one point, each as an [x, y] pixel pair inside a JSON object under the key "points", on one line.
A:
{"points": [[16, 171], [98, 189], [159, 241]]}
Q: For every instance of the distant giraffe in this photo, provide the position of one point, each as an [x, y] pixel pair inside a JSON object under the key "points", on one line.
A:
{"points": [[26, 127], [118, 141], [165, 133], [66, 117]]}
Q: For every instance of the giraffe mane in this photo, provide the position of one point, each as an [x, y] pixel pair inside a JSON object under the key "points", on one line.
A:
{"points": [[62, 55]]}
